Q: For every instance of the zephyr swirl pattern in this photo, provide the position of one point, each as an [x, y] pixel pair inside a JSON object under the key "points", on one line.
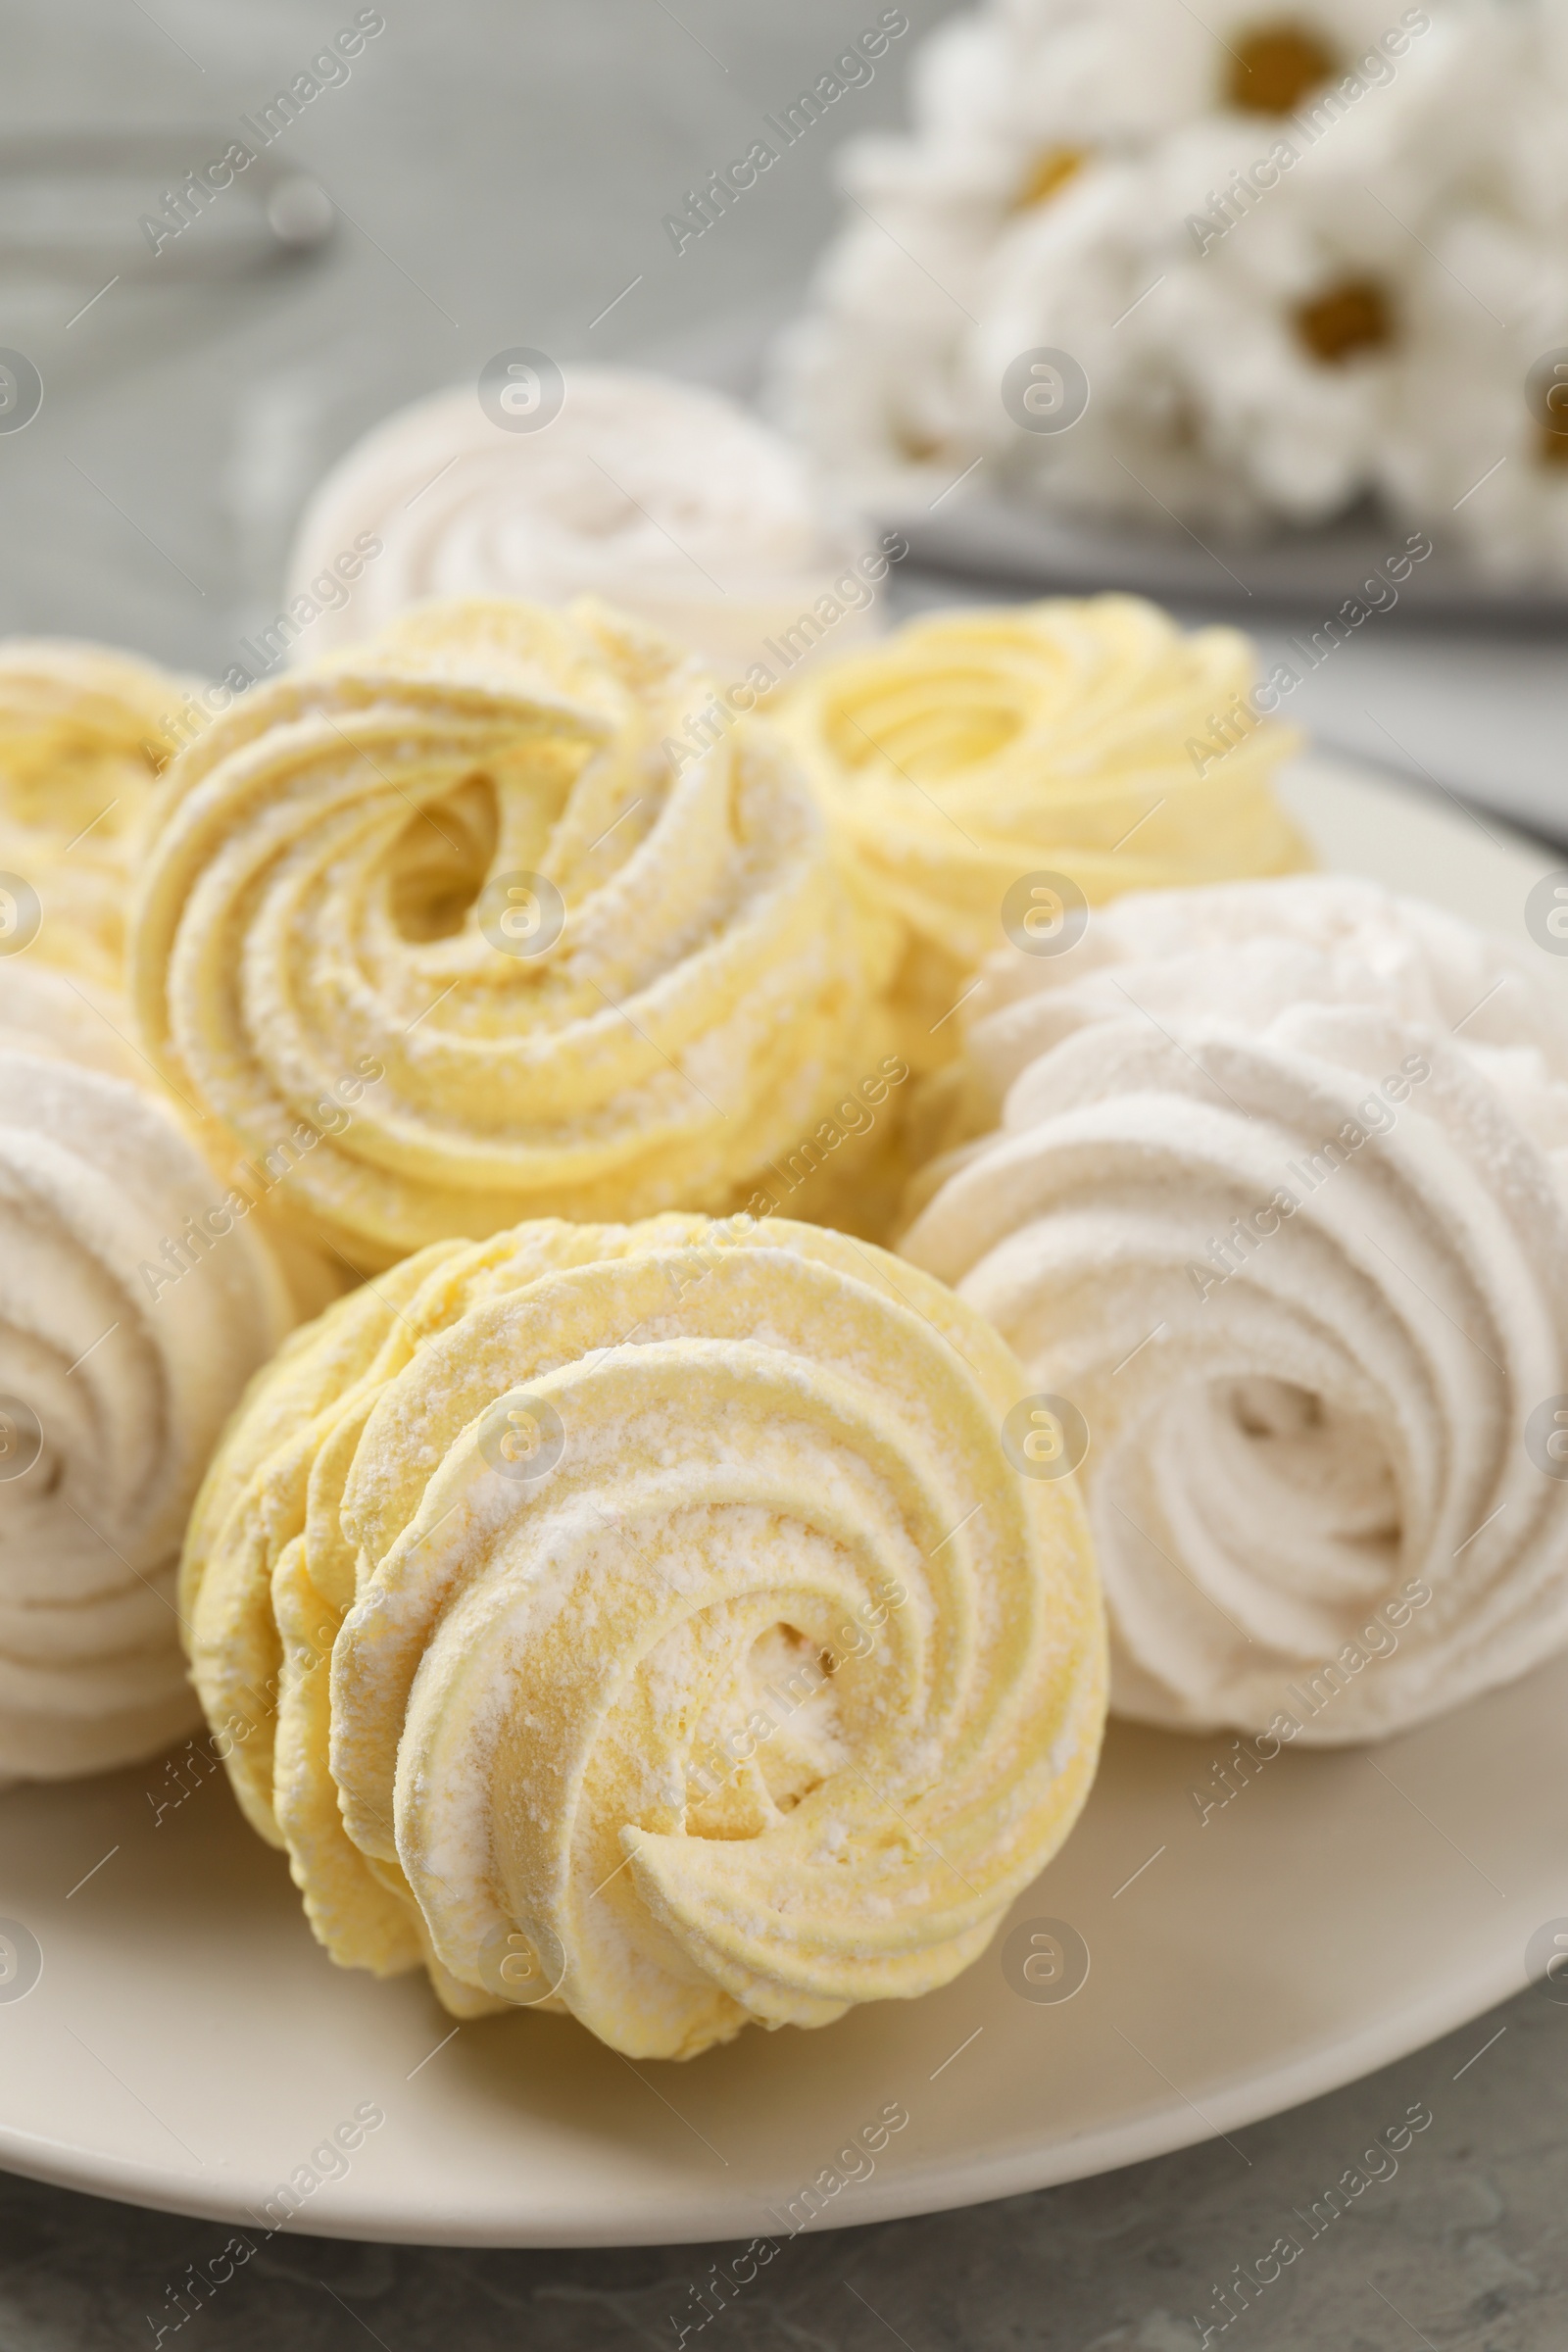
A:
{"points": [[84, 734], [975, 748], [668, 499], [349, 861], [1277, 1202], [116, 1377], [696, 1655]]}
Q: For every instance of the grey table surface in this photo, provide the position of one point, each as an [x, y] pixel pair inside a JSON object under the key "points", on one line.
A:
{"points": [[500, 172]]}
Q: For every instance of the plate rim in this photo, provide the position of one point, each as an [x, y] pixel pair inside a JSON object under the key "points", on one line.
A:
{"points": [[1007, 2172], [940, 2182]]}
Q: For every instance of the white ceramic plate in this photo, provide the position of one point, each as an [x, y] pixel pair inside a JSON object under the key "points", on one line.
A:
{"points": [[187, 2045]]}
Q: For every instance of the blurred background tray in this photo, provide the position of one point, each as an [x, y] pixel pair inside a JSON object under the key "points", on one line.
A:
{"points": [[1029, 547]]}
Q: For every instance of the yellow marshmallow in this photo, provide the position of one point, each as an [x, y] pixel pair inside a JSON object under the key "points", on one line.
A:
{"points": [[354, 887], [1092, 739], [654, 1626], [83, 733]]}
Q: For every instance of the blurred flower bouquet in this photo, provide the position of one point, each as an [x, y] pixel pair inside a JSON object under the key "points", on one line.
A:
{"points": [[1244, 270]]}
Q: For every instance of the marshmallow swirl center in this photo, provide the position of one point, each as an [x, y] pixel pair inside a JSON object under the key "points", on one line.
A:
{"points": [[1276, 1201], [696, 1653], [442, 933]]}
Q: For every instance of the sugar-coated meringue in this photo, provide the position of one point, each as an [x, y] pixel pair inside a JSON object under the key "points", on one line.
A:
{"points": [[1277, 1203], [664, 498], [657, 1626], [478, 874], [975, 749], [137, 1297], [83, 735]]}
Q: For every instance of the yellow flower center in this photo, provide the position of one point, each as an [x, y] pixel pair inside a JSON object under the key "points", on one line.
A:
{"points": [[1050, 171], [919, 447], [1274, 66], [1352, 317]]}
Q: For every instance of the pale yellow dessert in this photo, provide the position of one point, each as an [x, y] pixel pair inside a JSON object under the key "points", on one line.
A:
{"points": [[978, 751], [481, 871], [83, 735], [648, 1621]]}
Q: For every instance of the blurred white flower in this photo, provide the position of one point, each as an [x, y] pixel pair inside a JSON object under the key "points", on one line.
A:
{"points": [[1301, 260], [869, 378], [1118, 75], [1533, 139], [1243, 353], [1479, 441]]}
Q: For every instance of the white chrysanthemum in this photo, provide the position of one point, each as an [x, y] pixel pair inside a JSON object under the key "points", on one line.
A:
{"points": [[867, 378], [1533, 135], [1118, 75], [1480, 435], [1477, 446], [1264, 241], [1237, 371]]}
